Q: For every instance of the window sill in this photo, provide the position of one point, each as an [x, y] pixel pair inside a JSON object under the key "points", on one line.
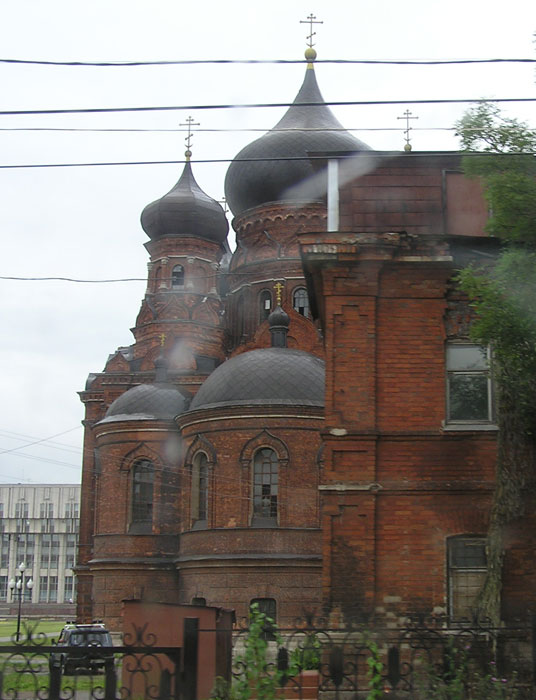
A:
{"points": [[469, 427]]}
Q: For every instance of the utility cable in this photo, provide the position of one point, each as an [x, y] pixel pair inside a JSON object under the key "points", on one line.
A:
{"points": [[231, 61]]}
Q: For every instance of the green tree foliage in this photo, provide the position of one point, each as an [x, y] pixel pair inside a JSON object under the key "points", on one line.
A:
{"points": [[504, 295]]}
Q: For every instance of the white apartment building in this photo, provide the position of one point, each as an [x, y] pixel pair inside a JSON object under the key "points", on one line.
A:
{"points": [[38, 527]]}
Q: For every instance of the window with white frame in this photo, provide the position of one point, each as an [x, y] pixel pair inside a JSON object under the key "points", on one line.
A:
{"points": [[300, 301], [3, 589], [265, 304], [68, 590], [4, 553], [467, 567], [469, 388], [46, 510]]}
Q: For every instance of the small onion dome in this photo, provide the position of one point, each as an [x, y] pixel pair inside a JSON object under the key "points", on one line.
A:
{"points": [[158, 401], [267, 377], [279, 321], [185, 211], [255, 178], [278, 317]]}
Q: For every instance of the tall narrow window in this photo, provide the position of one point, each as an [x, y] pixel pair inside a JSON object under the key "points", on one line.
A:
{"points": [[68, 590], [3, 589], [200, 490], [142, 492], [467, 568], [177, 277], [468, 384], [265, 486], [265, 304], [240, 317], [300, 301]]}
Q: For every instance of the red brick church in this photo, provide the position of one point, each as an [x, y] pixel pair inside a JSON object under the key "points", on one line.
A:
{"points": [[303, 422]]}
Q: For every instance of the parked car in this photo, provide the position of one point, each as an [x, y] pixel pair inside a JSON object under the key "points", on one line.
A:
{"points": [[83, 648]]}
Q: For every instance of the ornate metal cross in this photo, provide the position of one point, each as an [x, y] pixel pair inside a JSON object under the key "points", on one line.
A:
{"points": [[311, 19], [278, 289], [189, 123], [407, 116]]}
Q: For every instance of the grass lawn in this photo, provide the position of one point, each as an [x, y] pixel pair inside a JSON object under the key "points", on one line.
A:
{"points": [[51, 628]]}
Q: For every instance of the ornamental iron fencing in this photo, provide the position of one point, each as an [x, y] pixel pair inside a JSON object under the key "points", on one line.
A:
{"points": [[415, 659]]}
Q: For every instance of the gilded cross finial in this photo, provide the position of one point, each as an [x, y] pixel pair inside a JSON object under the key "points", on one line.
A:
{"points": [[311, 19], [278, 289], [188, 139], [162, 337], [407, 116]]}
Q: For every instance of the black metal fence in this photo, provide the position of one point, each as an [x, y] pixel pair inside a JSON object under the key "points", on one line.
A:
{"points": [[416, 660]]}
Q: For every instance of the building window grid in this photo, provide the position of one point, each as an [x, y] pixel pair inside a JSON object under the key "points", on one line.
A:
{"points": [[3, 589], [68, 589], [469, 385], [21, 510], [70, 552], [46, 510], [265, 483], [4, 556], [467, 568]]}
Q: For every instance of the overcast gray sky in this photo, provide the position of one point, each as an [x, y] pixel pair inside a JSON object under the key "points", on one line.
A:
{"points": [[84, 222]]}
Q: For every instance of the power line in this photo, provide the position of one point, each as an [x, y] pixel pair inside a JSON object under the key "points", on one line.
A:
{"points": [[246, 61], [39, 441], [280, 159], [262, 105], [227, 130]]}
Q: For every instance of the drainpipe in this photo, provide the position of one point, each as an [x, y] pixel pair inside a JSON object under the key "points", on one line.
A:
{"points": [[333, 194]]}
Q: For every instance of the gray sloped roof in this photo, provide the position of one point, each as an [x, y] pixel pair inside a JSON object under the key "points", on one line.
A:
{"points": [[158, 401], [185, 211], [262, 171], [271, 376]]}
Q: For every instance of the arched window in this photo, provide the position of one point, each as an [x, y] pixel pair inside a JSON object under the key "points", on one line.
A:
{"points": [[158, 278], [177, 277], [300, 301], [265, 486], [240, 317], [142, 492], [265, 304], [200, 490]]}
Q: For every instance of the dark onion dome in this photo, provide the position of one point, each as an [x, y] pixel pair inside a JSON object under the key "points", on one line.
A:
{"points": [[158, 401], [252, 181], [185, 211], [278, 317], [267, 377]]}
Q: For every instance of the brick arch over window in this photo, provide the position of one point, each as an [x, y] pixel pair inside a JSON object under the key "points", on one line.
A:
{"points": [[200, 444], [141, 451], [264, 439]]}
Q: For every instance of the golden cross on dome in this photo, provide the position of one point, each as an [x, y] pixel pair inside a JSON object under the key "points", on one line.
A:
{"points": [[311, 19], [278, 288], [162, 337], [407, 116], [188, 140]]}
